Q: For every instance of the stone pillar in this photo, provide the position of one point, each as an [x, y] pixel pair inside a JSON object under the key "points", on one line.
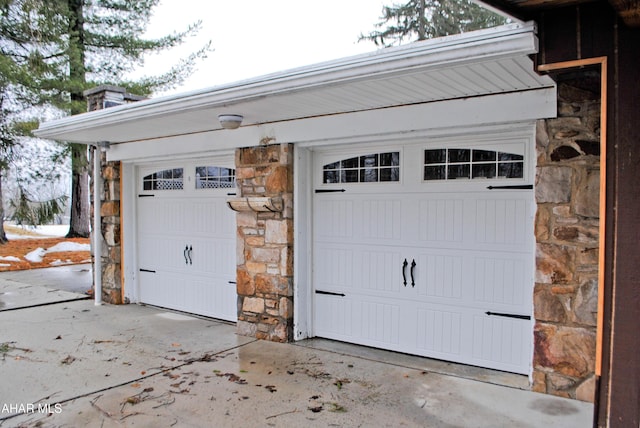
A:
{"points": [[106, 96], [566, 283], [265, 244]]}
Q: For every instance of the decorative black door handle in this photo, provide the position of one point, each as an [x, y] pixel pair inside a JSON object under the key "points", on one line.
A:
{"points": [[413, 265], [190, 254], [404, 272], [184, 253]]}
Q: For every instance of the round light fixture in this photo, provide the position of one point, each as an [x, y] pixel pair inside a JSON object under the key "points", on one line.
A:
{"points": [[230, 121]]}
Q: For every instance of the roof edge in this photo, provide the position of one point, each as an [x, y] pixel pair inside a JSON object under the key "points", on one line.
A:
{"points": [[502, 41]]}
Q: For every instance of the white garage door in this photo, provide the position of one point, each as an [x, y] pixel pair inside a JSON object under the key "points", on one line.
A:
{"points": [[187, 237], [427, 250]]}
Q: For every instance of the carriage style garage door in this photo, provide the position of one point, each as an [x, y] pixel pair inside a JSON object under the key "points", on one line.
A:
{"points": [[427, 249], [187, 237]]}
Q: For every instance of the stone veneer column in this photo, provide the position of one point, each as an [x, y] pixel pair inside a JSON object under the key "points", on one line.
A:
{"points": [[265, 244], [106, 96], [567, 196]]}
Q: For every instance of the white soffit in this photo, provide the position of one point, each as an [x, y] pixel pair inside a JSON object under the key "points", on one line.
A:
{"points": [[472, 64]]}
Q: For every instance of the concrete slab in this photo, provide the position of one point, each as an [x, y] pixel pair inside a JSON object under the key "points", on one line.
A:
{"points": [[75, 364], [61, 351], [14, 295], [270, 384], [72, 278], [427, 364], [70, 363]]}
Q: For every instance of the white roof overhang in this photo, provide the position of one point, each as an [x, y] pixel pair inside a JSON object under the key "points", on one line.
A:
{"points": [[486, 62]]}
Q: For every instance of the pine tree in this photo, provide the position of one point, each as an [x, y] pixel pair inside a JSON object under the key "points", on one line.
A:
{"points": [[426, 19], [78, 44], [19, 82]]}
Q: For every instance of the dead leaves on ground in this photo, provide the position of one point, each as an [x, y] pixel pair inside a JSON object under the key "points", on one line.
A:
{"points": [[21, 247]]}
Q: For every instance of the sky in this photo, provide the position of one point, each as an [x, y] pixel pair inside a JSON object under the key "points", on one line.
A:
{"points": [[251, 38]]}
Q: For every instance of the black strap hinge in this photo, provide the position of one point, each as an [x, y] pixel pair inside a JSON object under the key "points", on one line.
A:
{"points": [[500, 314], [515, 187], [330, 190], [329, 293]]}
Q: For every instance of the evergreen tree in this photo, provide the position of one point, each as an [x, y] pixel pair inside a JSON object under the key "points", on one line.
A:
{"points": [[19, 82], [74, 45], [426, 19]]}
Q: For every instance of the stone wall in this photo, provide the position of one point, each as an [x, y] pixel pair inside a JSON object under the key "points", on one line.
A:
{"points": [[566, 283], [111, 250], [98, 98], [265, 244]]}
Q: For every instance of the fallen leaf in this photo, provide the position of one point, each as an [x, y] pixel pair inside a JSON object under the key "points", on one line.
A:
{"points": [[68, 360], [175, 345], [143, 373], [134, 400], [135, 385]]}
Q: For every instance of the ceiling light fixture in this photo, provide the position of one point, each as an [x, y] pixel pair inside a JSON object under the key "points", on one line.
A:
{"points": [[230, 121]]}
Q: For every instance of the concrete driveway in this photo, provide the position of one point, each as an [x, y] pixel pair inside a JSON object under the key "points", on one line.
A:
{"points": [[71, 363]]}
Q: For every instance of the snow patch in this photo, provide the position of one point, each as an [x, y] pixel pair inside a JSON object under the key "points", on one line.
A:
{"points": [[69, 246], [36, 255], [4, 265], [39, 232], [10, 259], [59, 262]]}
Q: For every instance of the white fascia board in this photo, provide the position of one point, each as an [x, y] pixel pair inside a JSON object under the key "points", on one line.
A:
{"points": [[385, 124], [504, 41]]}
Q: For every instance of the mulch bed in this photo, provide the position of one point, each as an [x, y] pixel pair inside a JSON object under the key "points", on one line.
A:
{"points": [[21, 247]]}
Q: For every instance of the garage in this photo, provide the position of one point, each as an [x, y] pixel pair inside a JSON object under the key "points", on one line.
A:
{"points": [[427, 248], [186, 237], [383, 199]]}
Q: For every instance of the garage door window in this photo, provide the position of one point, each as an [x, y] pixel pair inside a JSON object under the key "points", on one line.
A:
{"points": [[371, 168], [215, 177], [167, 179], [455, 163]]}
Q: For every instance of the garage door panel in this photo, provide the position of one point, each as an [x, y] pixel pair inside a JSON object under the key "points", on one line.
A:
{"points": [[439, 275], [163, 252], [469, 251], [213, 257], [503, 223], [360, 217], [439, 332], [187, 243], [334, 219], [212, 217], [501, 343], [213, 297], [363, 320], [379, 270], [501, 280], [334, 268], [359, 268], [379, 219], [441, 220], [160, 288]]}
